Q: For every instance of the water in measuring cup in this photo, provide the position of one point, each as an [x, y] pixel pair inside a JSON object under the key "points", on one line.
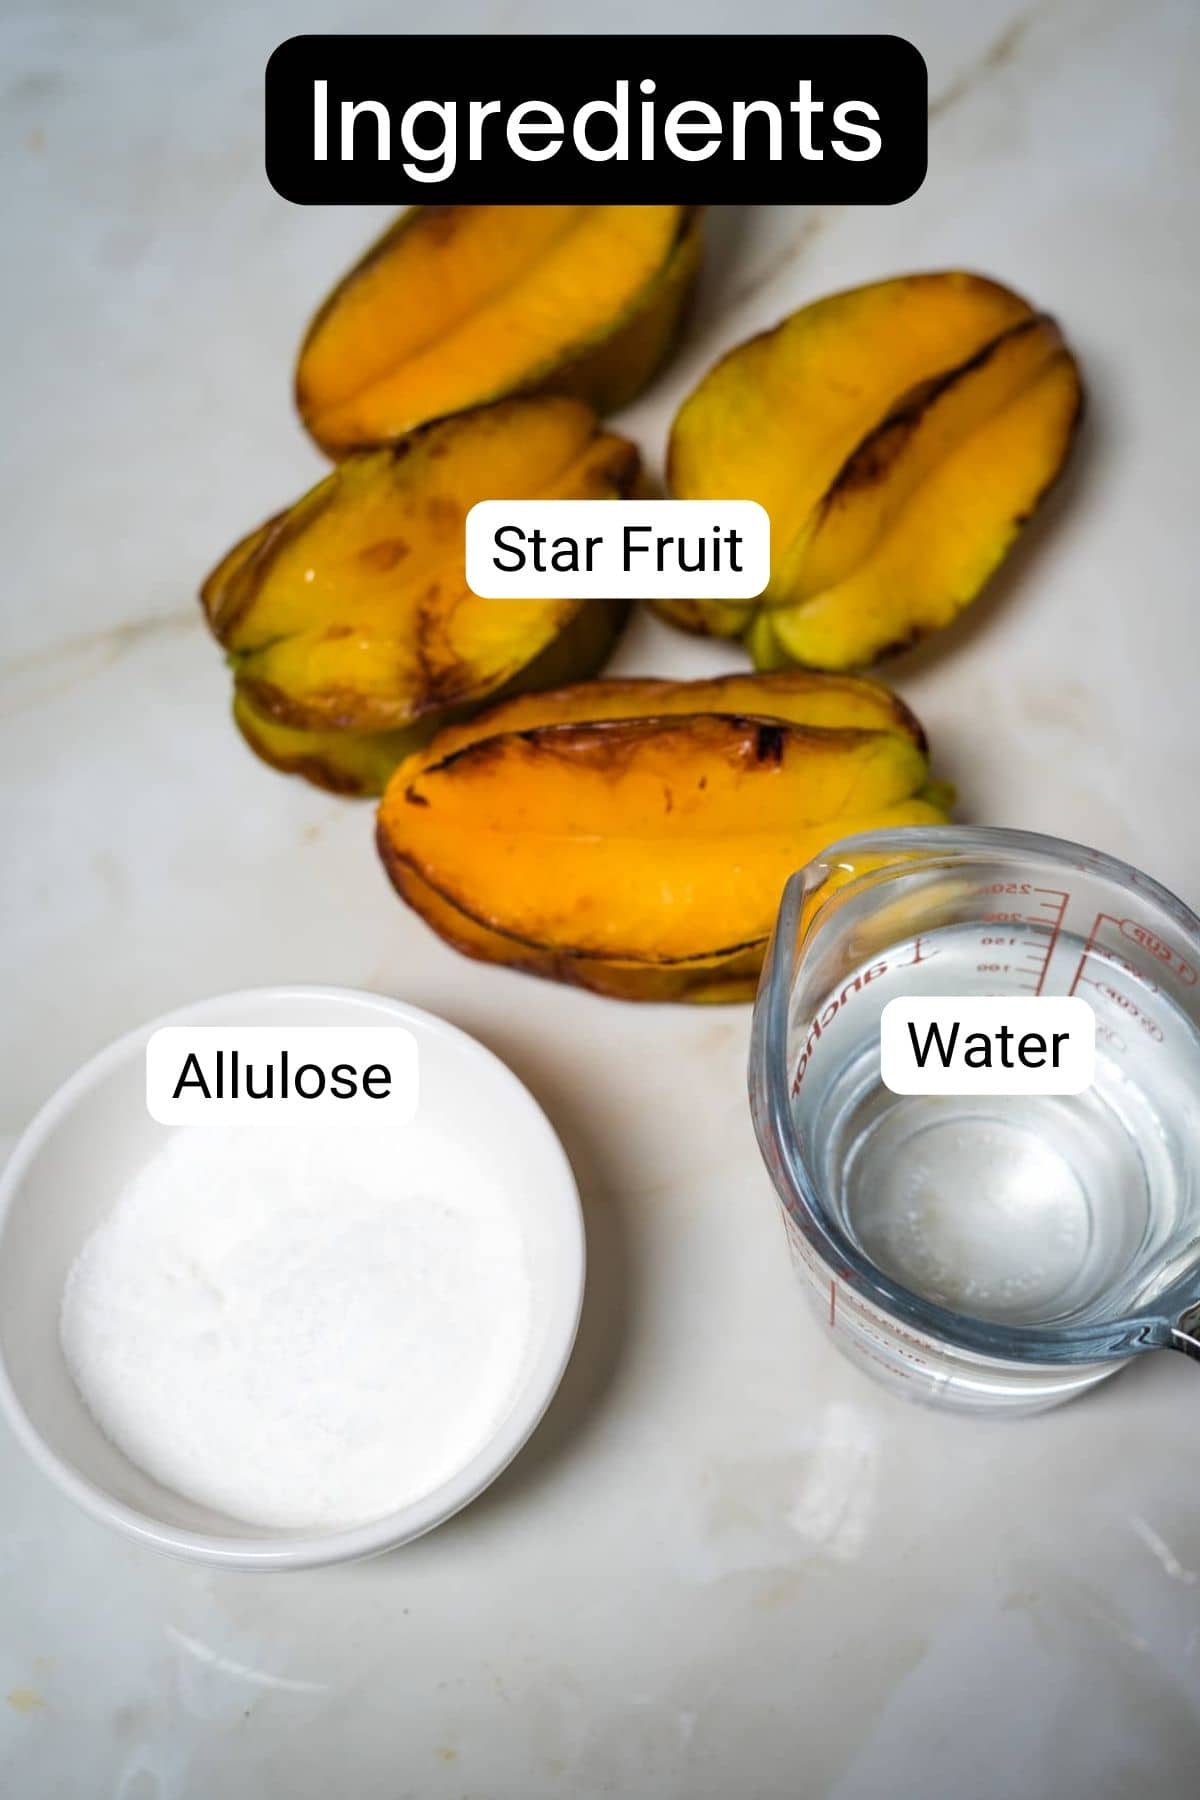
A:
{"points": [[1023, 1210]]}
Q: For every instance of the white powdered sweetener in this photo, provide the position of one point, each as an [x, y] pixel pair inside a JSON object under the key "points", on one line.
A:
{"points": [[301, 1331]]}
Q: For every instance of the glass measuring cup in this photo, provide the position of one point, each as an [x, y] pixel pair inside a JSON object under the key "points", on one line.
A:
{"points": [[1001, 1252]]}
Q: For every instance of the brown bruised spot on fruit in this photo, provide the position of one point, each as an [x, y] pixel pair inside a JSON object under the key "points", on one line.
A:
{"points": [[899, 435], [796, 696], [385, 554], [768, 744], [457, 306], [351, 612]]}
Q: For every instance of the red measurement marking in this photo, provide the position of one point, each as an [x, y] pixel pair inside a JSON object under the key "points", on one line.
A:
{"points": [[1093, 937], [1149, 1025], [832, 1304], [1154, 946], [1055, 904], [1046, 911]]}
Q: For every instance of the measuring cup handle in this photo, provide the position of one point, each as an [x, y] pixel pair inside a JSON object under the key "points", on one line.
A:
{"points": [[1185, 1333]]}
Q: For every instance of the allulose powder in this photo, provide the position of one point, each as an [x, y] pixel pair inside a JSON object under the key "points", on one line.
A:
{"points": [[301, 1331]]}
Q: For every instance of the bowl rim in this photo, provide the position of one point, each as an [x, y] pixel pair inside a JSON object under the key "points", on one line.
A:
{"points": [[311, 1549]]}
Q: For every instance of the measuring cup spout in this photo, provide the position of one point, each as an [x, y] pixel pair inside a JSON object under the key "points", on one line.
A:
{"points": [[1185, 1333], [820, 879]]}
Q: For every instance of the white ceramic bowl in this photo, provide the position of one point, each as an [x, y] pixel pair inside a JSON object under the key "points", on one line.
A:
{"points": [[93, 1135]]}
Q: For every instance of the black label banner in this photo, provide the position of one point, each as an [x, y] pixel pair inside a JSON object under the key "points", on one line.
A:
{"points": [[610, 119]]}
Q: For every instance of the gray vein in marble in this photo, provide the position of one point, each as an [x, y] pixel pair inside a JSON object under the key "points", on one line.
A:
{"points": [[996, 55], [68, 660], [809, 229], [992, 59]]}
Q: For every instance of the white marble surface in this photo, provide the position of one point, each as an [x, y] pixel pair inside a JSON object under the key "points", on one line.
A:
{"points": [[727, 1564]]}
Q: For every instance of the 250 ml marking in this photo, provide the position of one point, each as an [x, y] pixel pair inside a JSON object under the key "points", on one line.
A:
{"points": [[1046, 910]]}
